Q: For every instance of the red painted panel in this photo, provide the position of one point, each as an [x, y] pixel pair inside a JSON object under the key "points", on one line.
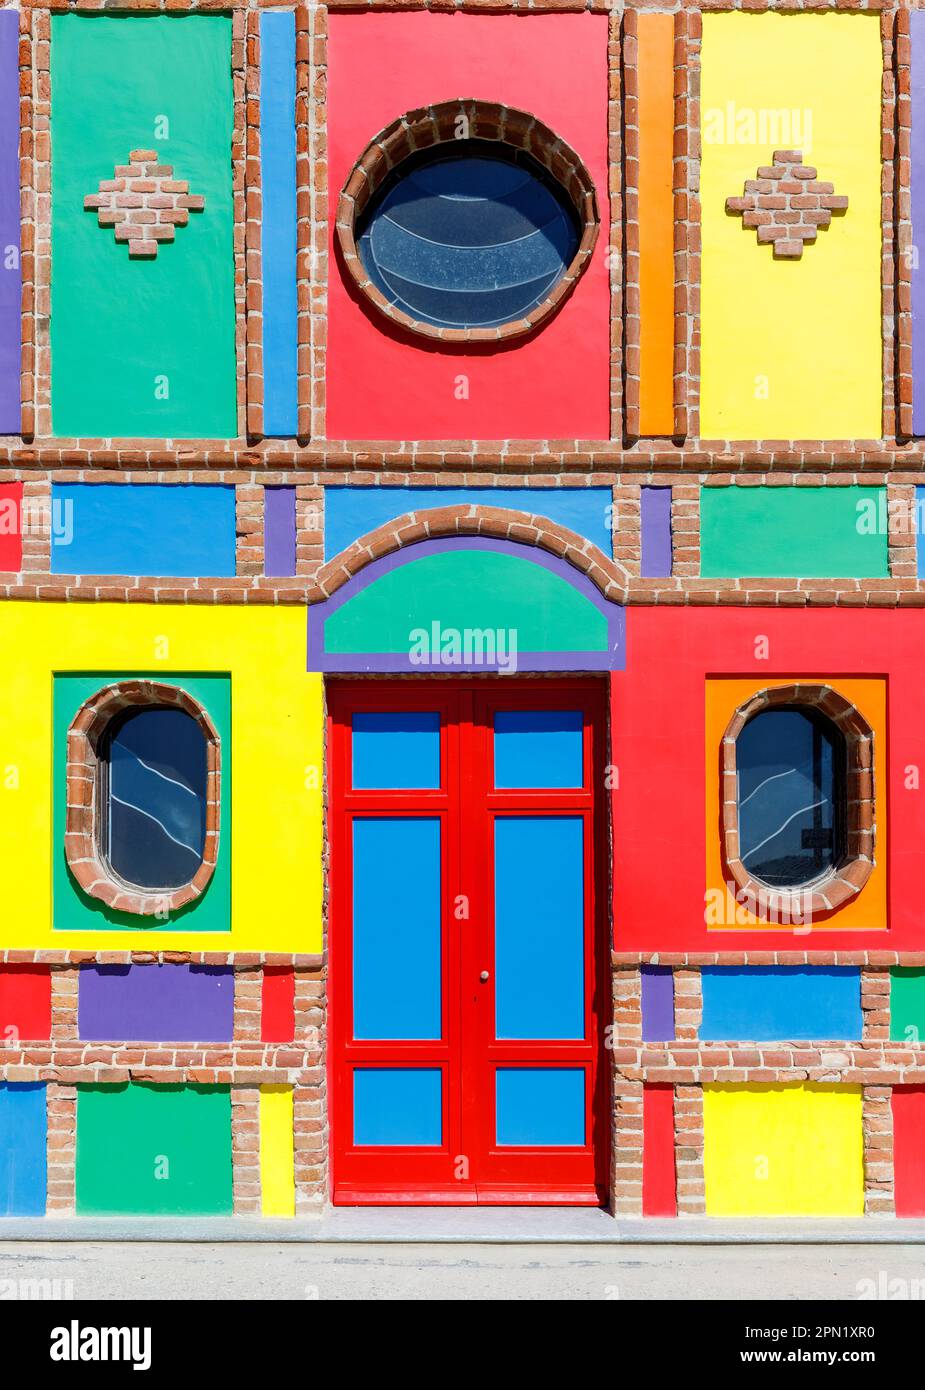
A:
{"points": [[277, 1004], [908, 1149], [25, 1003], [658, 749], [10, 527], [385, 384], [469, 1166], [659, 1189]]}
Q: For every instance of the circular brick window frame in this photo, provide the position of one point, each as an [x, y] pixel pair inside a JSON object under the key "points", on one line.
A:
{"points": [[840, 884], [82, 842], [435, 125]]}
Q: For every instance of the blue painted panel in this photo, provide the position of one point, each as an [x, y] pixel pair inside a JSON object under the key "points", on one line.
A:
{"points": [[539, 927], [143, 529], [397, 1105], [538, 748], [350, 512], [396, 927], [278, 161], [778, 1003], [540, 1105], [23, 1127], [396, 750], [919, 529]]}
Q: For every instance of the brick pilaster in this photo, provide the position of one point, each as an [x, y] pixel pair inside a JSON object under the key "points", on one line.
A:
{"points": [[248, 986], [249, 532], [902, 526], [688, 1004], [685, 531], [245, 1149], [61, 1108], [627, 538], [877, 1113], [310, 1148], [688, 1131], [627, 1148], [64, 986], [309, 527], [875, 1005], [627, 1007]]}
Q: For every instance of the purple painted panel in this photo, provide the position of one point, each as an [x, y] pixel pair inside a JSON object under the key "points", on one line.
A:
{"points": [[279, 532], [657, 1003], [156, 1003], [10, 278], [917, 178], [655, 520]]}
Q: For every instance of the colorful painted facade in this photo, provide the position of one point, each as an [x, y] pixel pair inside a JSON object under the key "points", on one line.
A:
{"points": [[461, 481]]}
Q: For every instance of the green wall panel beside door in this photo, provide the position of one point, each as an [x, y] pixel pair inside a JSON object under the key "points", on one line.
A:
{"points": [[142, 347], [793, 532], [154, 1150]]}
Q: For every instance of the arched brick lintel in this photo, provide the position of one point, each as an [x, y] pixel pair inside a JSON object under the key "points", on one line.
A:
{"points": [[473, 519]]}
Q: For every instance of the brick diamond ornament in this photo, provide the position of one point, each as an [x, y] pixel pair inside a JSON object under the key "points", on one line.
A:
{"points": [[143, 203], [787, 204]]}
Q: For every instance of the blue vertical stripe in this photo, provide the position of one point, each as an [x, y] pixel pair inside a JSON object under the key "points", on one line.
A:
{"points": [[23, 1129], [396, 927], [279, 245]]}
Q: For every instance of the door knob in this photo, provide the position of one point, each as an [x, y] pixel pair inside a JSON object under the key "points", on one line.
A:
{"points": [[483, 976]]}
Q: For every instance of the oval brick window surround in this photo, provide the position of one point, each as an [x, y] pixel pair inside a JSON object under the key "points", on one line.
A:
{"points": [[87, 791], [487, 130], [843, 880]]}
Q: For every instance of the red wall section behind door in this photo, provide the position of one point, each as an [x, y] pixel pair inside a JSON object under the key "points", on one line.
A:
{"points": [[658, 722], [382, 384]]}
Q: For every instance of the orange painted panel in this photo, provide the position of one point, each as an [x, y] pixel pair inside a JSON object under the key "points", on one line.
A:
{"points": [[867, 911], [655, 69]]}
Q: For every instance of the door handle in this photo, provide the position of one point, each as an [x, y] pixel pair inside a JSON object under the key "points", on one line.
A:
{"points": [[483, 976]]}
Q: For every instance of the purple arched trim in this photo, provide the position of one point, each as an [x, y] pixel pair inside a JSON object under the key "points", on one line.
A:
{"points": [[613, 659]]}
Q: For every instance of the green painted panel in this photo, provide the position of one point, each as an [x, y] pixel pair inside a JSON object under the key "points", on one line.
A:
{"points": [[72, 909], [119, 327], [793, 532], [154, 1150], [907, 1004], [473, 589]]}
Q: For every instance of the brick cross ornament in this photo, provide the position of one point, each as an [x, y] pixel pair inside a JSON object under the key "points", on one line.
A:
{"points": [[787, 204], [143, 203]]}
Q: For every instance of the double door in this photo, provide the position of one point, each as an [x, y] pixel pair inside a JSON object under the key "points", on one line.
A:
{"points": [[468, 969]]}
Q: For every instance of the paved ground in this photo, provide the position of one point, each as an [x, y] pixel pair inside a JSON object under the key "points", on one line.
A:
{"points": [[173, 1270]]}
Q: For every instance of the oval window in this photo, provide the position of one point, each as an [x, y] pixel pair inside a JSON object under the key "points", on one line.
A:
{"points": [[791, 770], [470, 234], [155, 786]]}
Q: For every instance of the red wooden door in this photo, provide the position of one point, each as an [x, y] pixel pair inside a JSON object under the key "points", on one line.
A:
{"points": [[468, 965]]}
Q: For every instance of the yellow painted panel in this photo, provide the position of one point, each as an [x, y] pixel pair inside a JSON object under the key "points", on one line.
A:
{"points": [[791, 349], [277, 746], [867, 911], [783, 1150], [277, 1181]]}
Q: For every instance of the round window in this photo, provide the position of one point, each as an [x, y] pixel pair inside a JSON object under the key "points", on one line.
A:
{"points": [[477, 236], [468, 236]]}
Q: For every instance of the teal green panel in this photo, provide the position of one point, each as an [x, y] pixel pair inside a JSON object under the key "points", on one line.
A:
{"points": [[793, 532], [475, 589], [119, 327], [72, 909], [154, 1150]]}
